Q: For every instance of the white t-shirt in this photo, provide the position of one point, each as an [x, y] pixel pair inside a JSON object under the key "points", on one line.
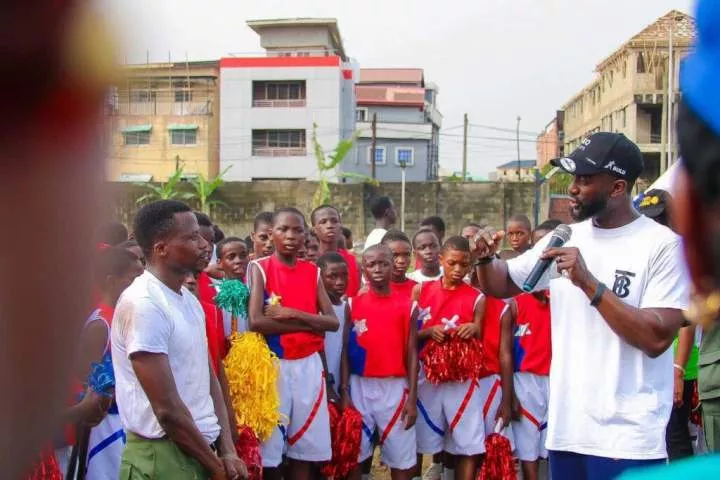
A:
{"points": [[150, 317], [607, 398], [419, 277], [375, 237], [333, 344]]}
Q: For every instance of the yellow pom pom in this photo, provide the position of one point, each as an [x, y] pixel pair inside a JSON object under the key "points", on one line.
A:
{"points": [[252, 373]]}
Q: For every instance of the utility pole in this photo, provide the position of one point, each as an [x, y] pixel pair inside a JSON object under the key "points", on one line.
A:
{"points": [[465, 144], [670, 96], [517, 141], [373, 142]]}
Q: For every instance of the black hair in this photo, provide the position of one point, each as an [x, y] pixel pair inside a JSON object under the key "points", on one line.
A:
{"points": [[203, 220], [112, 261], [112, 233], [311, 233], [249, 242], [292, 210], [521, 218], [380, 205], [329, 258], [263, 217], [227, 241], [472, 224], [322, 207], [219, 234], [436, 222], [394, 236], [700, 151], [347, 233], [456, 242], [154, 221], [548, 225], [421, 231]]}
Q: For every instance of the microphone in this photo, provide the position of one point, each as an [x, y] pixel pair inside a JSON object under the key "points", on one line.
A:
{"points": [[560, 235]]}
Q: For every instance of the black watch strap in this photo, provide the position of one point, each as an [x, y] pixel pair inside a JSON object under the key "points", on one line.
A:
{"points": [[483, 261], [598, 294]]}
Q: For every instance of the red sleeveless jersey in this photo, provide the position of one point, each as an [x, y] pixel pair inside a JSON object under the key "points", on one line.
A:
{"points": [[294, 287], [494, 308], [403, 288], [377, 346], [206, 289], [532, 335], [439, 305], [353, 286], [214, 332]]}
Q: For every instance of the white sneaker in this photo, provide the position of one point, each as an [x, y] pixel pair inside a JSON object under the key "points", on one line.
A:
{"points": [[435, 472]]}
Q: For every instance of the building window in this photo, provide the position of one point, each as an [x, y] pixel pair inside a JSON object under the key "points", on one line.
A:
{"points": [[278, 143], [640, 63], [136, 138], [361, 115], [380, 158], [183, 96], [183, 137], [404, 155], [279, 94], [142, 96]]}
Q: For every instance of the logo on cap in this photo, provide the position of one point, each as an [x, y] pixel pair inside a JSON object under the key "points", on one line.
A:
{"points": [[568, 164], [613, 167]]}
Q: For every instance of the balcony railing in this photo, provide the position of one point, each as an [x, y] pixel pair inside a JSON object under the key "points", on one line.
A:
{"points": [[298, 103], [161, 108], [279, 151]]}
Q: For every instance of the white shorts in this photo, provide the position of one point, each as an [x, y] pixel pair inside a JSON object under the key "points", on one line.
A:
{"points": [[380, 402], [305, 430], [449, 418], [491, 397], [532, 393]]}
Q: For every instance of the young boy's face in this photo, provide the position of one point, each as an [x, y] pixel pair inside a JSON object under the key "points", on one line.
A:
{"points": [[288, 234], [377, 267], [335, 279], [234, 260], [312, 249], [262, 240], [208, 233], [455, 265], [401, 259], [519, 236], [326, 223], [190, 283], [427, 248], [538, 235]]}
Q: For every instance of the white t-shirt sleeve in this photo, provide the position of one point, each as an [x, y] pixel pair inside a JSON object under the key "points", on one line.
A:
{"points": [[149, 329], [520, 267], [668, 284]]}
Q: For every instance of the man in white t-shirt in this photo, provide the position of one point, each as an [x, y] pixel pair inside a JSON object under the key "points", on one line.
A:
{"points": [[385, 214], [617, 291], [169, 399]]}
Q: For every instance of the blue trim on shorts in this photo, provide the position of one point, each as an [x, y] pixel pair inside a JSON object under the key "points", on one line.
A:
{"points": [[367, 431], [575, 466], [429, 422], [120, 434]]}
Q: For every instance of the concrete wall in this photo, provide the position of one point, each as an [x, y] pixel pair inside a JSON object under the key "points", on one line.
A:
{"points": [[395, 114], [238, 118], [294, 38], [457, 203]]}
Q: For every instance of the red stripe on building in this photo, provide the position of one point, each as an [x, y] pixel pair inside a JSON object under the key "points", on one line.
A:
{"points": [[269, 62]]}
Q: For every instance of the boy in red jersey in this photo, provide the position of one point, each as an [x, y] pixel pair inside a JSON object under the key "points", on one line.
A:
{"points": [[449, 410], [261, 236], [530, 316], [426, 244], [379, 365], [399, 245], [285, 296], [232, 253], [326, 224]]}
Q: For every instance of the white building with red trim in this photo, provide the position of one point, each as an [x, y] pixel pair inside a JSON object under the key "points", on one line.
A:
{"points": [[269, 103]]}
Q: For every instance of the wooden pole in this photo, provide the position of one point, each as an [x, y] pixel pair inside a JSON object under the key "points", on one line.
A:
{"points": [[373, 145], [465, 145]]}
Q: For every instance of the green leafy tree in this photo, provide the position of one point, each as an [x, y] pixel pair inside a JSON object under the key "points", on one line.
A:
{"points": [[165, 190], [204, 189], [326, 164]]}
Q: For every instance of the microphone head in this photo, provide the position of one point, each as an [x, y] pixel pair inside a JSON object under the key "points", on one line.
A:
{"points": [[563, 232]]}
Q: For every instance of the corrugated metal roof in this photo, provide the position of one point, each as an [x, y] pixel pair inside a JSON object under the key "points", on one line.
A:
{"points": [[412, 76]]}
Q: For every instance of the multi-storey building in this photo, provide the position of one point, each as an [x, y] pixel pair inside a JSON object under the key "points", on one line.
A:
{"points": [[270, 103], [162, 117], [407, 125], [513, 171], [550, 142], [630, 92]]}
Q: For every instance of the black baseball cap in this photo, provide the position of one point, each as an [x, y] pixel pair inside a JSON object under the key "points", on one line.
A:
{"points": [[604, 152], [654, 203]]}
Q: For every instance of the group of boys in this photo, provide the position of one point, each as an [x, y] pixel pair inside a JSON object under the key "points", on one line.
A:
{"points": [[350, 332]]}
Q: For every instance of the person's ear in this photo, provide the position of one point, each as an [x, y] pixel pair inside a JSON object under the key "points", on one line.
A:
{"points": [[160, 249]]}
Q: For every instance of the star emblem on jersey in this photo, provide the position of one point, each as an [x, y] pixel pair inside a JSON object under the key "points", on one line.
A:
{"points": [[450, 324], [424, 315], [274, 299], [360, 327]]}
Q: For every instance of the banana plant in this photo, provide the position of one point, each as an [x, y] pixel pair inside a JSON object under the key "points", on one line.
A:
{"points": [[164, 190], [204, 189]]}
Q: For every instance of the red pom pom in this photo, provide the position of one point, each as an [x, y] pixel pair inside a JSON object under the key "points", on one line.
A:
{"points": [[247, 447], [454, 360], [345, 432], [46, 469], [498, 464]]}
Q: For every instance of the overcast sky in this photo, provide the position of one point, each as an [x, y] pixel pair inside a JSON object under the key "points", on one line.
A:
{"points": [[494, 59]]}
